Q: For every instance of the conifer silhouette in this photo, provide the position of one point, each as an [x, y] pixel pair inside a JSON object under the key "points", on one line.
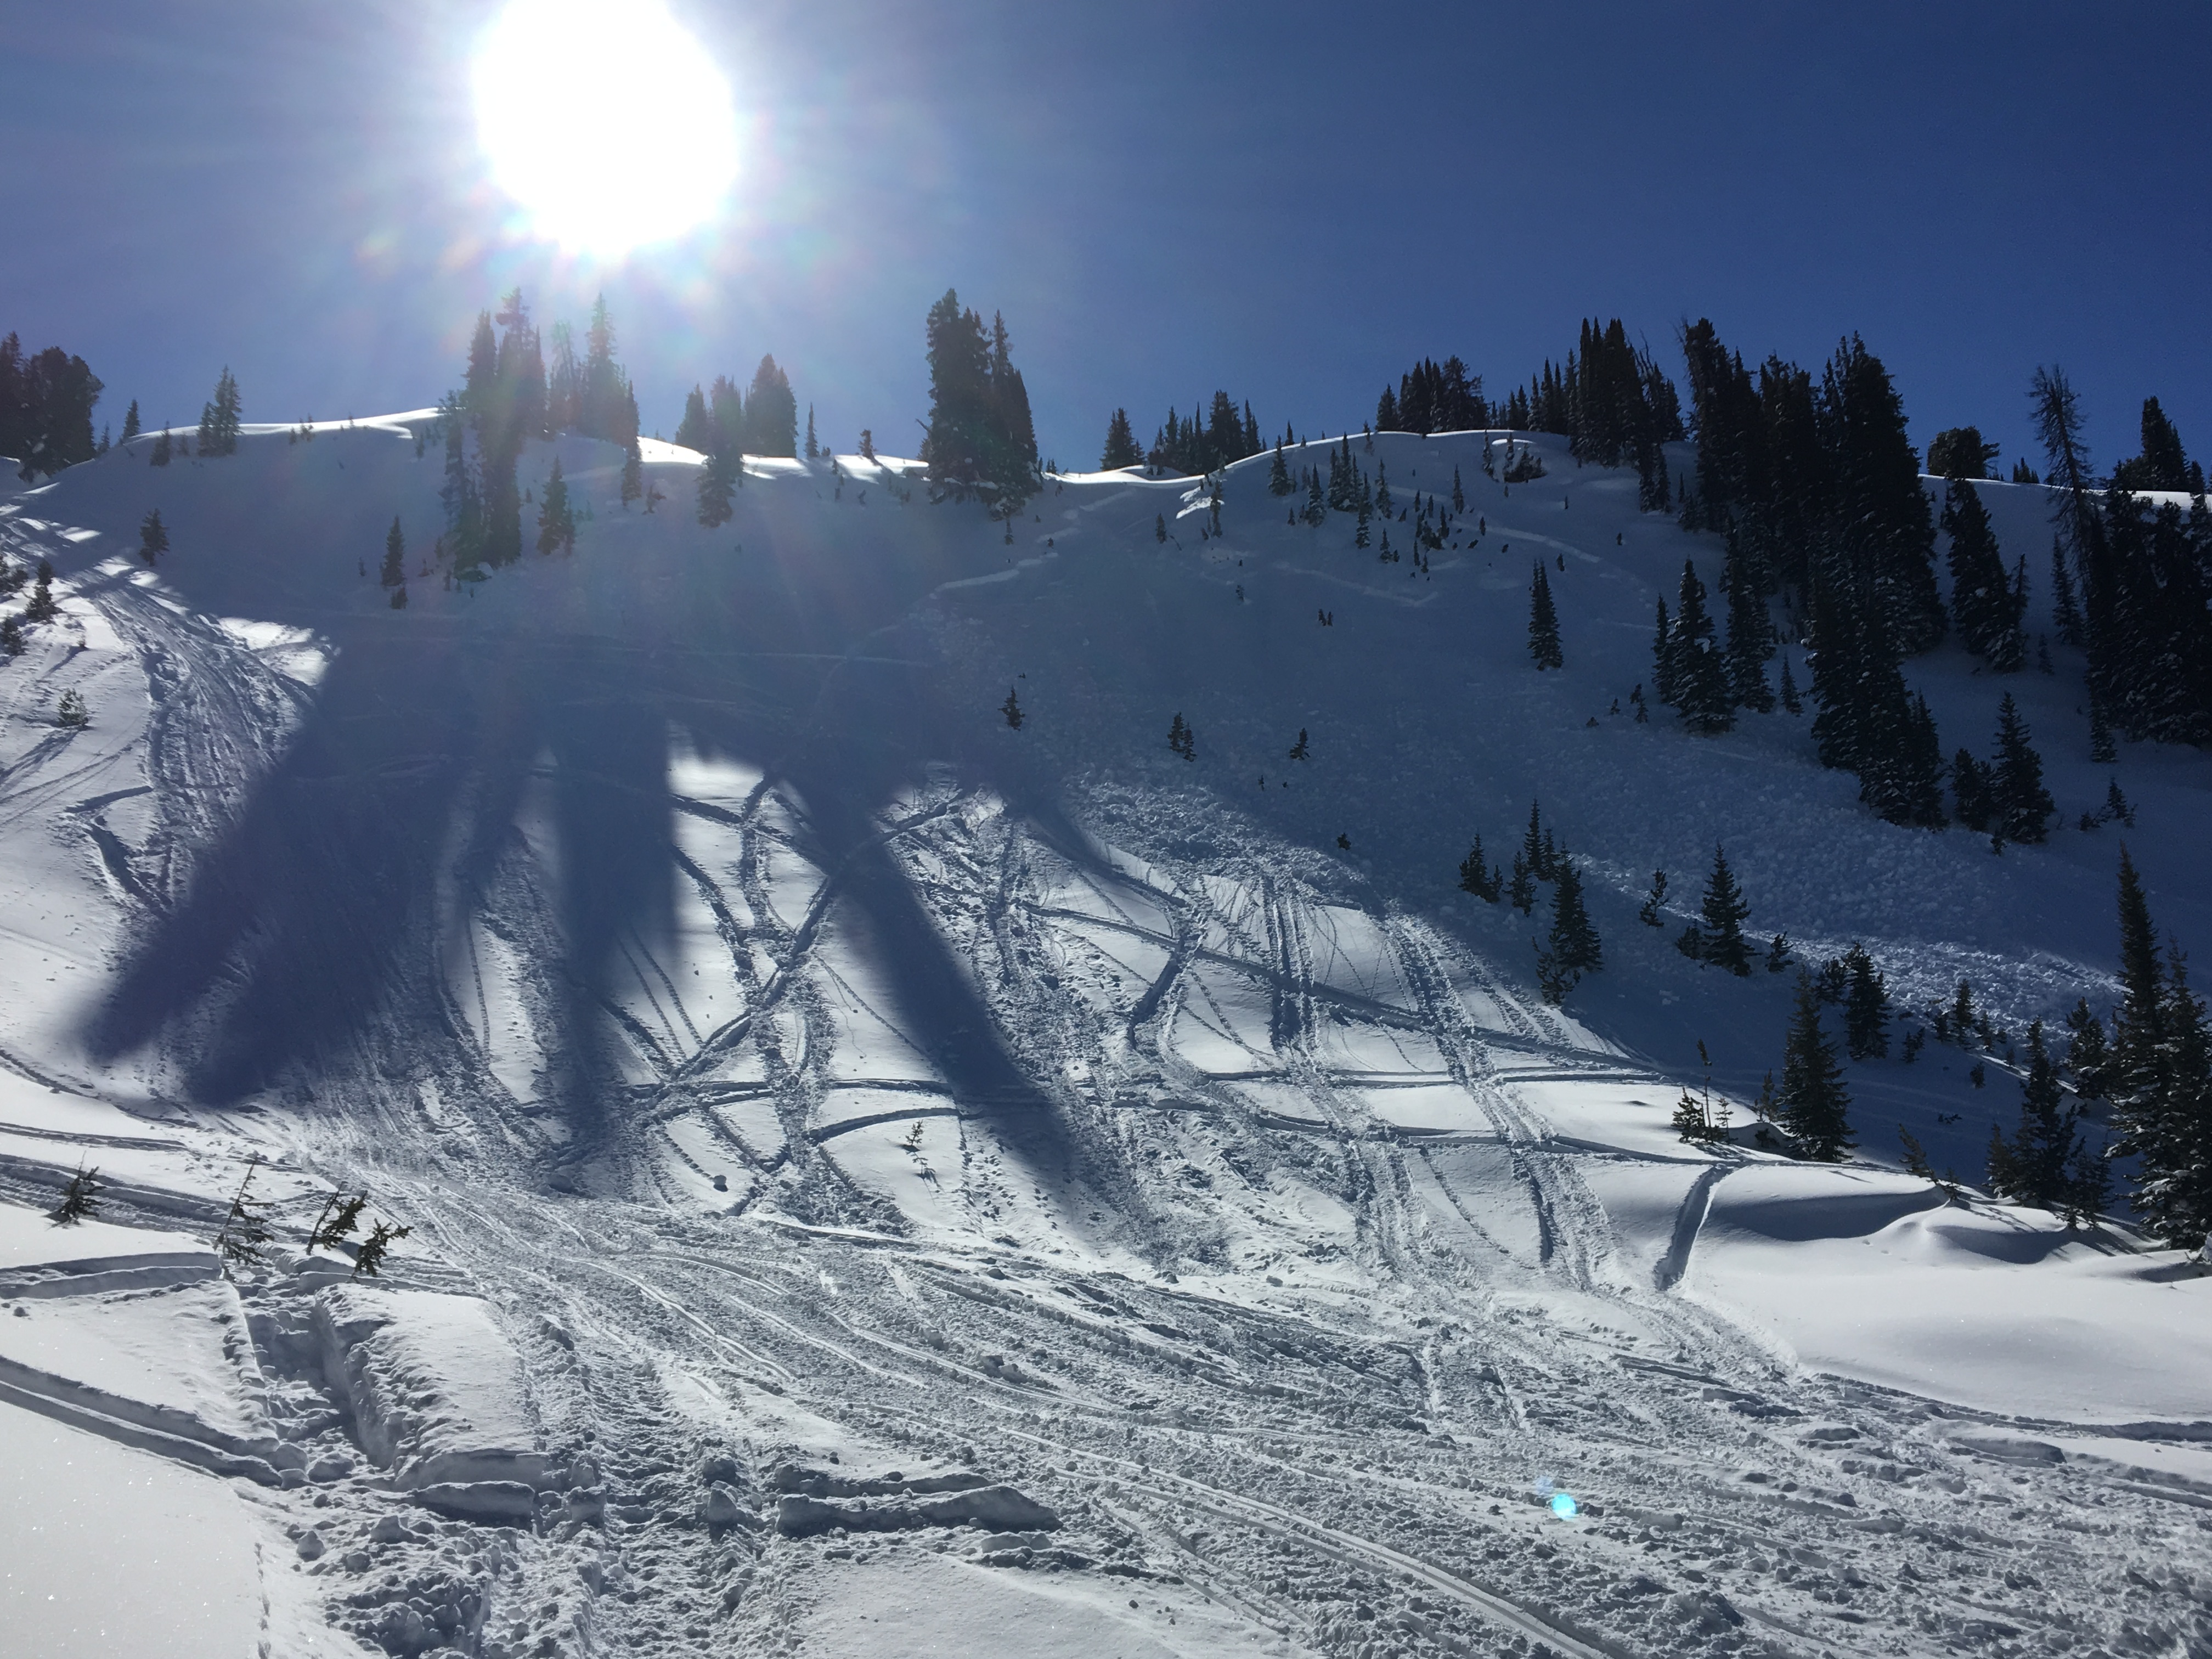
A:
{"points": [[80, 1198], [1814, 1104]]}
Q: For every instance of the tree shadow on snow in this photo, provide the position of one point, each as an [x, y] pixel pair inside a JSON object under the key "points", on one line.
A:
{"points": [[301, 944]]}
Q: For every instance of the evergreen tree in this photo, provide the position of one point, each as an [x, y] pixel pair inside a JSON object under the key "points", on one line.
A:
{"points": [[1730, 435], [726, 414], [1522, 889], [2160, 1077], [80, 1198], [478, 384], [1663, 657], [42, 608], [1880, 511], [2065, 612], [393, 570], [771, 413], [605, 406], [369, 1259], [219, 420], [1648, 912], [2117, 810], [153, 537], [1866, 1007], [1974, 791], [460, 495], [2175, 1196], [1484, 881], [1574, 942], [338, 1220], [1791, 702], [2088, 1187], [1458, 497], [1543, 623], [1959, 452], [717, 480], [1278, 474], [1536, 845], [2162, 465], [1343, 480], [813, 449], [245, 1230], [130, 421], [2102, 749], [2036, 1165], [2147, 604], [2133, 1080], [1181, 739], [1012, 708], [1122, 446], [1813, 1103], [979, 439], [1981, 599], [45, 409], [161, 449], [2057, 417], [1159, 527], [1907, 786], [506, 401], [1701, 686], [1750, 633], [1722, 913], [2023, 807], [556, 519], [564, 384], [633, 476], [692, 432]]}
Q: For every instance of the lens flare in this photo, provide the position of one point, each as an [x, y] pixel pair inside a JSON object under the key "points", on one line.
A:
{"points": [[1563, 1505], [606, 121]]}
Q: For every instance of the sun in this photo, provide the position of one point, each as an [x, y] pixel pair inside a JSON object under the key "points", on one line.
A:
{"points": [[604, 120]]}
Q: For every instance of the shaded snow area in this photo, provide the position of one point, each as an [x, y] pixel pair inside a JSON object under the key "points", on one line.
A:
{"points": [[884, 1182]]}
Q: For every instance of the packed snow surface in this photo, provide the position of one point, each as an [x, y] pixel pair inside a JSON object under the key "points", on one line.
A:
{"points": [[884, 1180]]}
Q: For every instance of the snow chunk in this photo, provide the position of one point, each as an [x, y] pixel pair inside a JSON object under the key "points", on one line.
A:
{"points": [[435, 1388], [995, 1509]]}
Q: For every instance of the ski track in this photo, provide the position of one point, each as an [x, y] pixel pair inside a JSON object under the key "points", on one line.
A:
{"points": [[1359, 1470]]}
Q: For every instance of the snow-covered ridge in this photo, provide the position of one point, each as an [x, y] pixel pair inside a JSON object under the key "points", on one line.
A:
{"points": [[802, 1082]]}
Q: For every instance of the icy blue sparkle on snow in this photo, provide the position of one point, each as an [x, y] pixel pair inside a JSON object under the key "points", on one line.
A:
{"points": [[1563, 1505]]}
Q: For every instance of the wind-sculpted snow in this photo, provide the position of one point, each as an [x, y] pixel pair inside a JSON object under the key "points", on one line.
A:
{"points": [[884, 1180]]}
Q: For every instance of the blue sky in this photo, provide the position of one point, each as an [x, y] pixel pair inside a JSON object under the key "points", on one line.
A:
{"points": [[1291, 201]]}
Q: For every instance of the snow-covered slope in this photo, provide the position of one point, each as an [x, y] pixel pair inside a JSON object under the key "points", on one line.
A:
{"points": [[873, 1168]]}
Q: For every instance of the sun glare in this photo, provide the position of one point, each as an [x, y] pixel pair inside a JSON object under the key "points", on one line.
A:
{"points": [[606, 121]]}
